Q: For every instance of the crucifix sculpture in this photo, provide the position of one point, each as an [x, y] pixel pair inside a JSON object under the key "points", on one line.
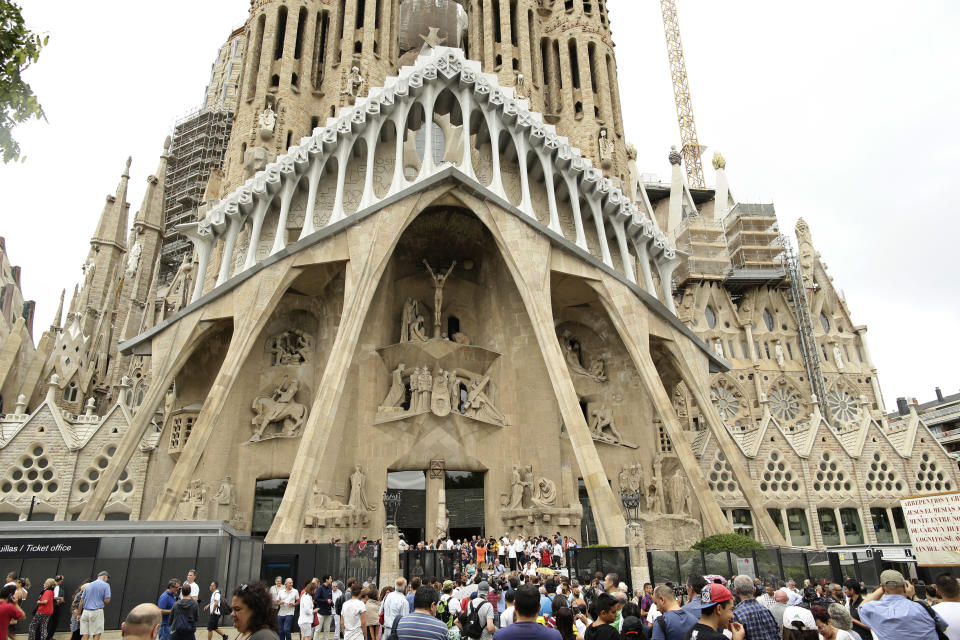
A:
{"points": [[439, 279]]}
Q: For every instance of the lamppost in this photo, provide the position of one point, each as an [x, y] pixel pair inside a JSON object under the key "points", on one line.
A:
{"points": [[631, 504], [391, 502]]}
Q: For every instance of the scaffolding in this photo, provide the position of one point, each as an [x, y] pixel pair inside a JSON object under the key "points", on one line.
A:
{"points": [[198, 146], [808, 345], [703, 242]]}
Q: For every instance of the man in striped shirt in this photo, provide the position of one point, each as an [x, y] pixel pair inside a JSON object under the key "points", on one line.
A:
{"points": [[422, 624]]}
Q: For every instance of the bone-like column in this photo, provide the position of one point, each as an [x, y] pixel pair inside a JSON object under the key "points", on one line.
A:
{"points": [[313, 183], [370, 137], [466, 109], [286, 196], [234, 224], [625, 256], [546, 161], [202, 239], [429, 101], [263, 203], [643, 255], [522, 146], [495, 128], [666, 267], [400, 113], [343, 156], [601, 230], [575, 206]]}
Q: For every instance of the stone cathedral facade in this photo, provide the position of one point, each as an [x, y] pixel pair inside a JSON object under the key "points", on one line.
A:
{"points": [[428, 263]]}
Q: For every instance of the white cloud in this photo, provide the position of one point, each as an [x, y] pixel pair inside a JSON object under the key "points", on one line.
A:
{"points": [[843, 115]]}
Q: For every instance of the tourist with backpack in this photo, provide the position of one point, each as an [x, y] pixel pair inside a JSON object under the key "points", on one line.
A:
{"points": [[184, 616], [674, 622], [448, 608], [480, 615], [217, 608]]}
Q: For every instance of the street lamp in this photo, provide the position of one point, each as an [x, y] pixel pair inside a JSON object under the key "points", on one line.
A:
{"points": [[631, 504], [391, 502]]}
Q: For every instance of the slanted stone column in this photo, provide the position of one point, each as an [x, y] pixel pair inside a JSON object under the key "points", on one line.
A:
{"points": [[637, 544]]}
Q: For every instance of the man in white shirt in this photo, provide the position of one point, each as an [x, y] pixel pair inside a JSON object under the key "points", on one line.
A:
{"points": [[395, 604], [949, 608], [289, 597], [194, 587], [336, 593], [511, 553], [557, 555]]}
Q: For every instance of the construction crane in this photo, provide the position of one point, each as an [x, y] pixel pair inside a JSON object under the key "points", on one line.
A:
{"points": [[691, 150]]}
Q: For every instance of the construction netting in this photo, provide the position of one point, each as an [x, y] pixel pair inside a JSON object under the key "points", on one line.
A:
{"points": [[418, 17]]}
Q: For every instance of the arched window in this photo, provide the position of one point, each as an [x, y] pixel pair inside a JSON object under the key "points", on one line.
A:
{"points": [[711, 316], [768, 319], [70, 393], [281, 32], [825, 322]]}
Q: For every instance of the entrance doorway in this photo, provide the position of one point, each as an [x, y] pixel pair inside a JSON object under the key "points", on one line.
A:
{"points": [[267, 497], [412, 513], [464, 493]]}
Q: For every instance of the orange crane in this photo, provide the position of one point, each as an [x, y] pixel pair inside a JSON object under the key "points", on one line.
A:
{"points": [[691, 149]]}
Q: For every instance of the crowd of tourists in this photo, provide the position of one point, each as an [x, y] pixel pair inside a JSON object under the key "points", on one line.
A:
{"points": [[511, 605], [498, 555]]}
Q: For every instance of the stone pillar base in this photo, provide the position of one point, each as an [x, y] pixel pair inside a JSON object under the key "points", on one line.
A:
{"points": [[389, 556], [639, 569]]}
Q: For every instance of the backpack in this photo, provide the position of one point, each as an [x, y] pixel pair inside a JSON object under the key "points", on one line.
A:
{"points": [[473, 628], [338, 605], [631, 628], [443, 612]]}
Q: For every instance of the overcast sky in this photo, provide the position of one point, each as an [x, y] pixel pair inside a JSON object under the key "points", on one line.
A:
{"points": [[843, 113]]}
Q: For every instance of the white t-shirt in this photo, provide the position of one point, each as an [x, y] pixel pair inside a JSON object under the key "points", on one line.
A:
{"points": [[845, 635], [557, 550], [351, 612], [194, 591], [652, 614], [581, 627], [215, 608], [288, 602], [506, 618], [950, 612], [306, 609]]}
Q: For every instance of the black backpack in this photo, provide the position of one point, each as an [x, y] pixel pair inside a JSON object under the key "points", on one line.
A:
{"points": [[338, 605], [473, 628], [631, 628]]}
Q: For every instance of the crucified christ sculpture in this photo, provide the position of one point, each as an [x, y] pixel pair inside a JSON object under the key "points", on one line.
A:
{"points": [[439, 279]]}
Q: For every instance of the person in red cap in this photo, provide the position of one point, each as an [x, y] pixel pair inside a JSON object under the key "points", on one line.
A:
{"points": [[716, 614]]}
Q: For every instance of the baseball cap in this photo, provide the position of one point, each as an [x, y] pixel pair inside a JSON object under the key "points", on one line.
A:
{"points": [[891, 576], [483, 587], [801, 615], [447, 583], [714, 594]]}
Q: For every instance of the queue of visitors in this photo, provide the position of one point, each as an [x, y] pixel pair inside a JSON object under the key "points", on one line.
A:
{"points": [[509, 605], [517, 553]]}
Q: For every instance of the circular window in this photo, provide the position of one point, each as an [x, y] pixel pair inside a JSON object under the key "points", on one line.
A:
{"points": [[27, 463], [816, 486], [37, 487], [763, 486], [38, 451], [47, 475], [719, 487], [6, 487], [111, 451], [93, 475], [22, 487], [52, 487], [83, 487], [102, 463], [128, 487], [42, 463], [32, 474], [731, 486], [17, 474], [869, 486]]}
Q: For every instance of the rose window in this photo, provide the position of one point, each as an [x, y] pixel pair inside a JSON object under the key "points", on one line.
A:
{"points": [[784, 404], [726, 402], [844, 408]]}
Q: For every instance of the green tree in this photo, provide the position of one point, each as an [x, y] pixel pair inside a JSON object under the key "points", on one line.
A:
{"points": [[19, 48], [728, 542]]}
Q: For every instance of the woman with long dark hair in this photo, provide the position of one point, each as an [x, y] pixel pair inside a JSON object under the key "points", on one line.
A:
{"points": [[563, 619], [253, 613], [75, 611]]}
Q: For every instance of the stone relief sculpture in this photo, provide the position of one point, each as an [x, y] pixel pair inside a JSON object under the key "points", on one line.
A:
{"points": [[653, 496], [778, 352], [631, 478], [573, 355], [290, 347], [606, 148], [225, 492], [440, 398], [526, 475], [520, 89], [193, 502], [546, 493], [411, 322], [837, 357], [267, 121], [679, 494], [279, 407], [354, 83], [133, 259], [527, 493], [806, 253], [398, 389], [358, 498], [478, 405], [439, 279], [516, 488], [602, 426], [319, 504], [718, 348]]}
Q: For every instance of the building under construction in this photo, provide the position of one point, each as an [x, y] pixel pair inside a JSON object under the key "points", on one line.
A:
{"points": [[198, 145]]}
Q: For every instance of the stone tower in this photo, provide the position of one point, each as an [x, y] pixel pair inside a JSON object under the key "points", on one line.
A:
{"points": [[296, 72]]}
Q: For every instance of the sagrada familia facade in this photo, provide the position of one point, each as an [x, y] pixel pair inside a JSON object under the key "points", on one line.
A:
{"points": [[425, 248]]}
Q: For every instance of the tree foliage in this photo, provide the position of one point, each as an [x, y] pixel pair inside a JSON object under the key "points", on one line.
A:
{"points": [[19, 48], [728, 542]]}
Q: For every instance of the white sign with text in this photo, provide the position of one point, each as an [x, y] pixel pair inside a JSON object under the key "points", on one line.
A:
{"points": [[934, 524]]}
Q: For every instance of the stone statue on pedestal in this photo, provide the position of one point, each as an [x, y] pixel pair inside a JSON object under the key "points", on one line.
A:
{"points": [[679, 494], [358, 498]]}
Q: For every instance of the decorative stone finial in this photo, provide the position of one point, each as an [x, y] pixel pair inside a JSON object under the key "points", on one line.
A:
{"points": [[91, 405], [54, 380], [631, 152], [166, 144], [675, 157], [718, 161], [126, 169]]}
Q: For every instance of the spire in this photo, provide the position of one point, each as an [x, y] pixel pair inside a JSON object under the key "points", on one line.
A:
{"points": [[57, 318], [151, 210], [112, 228]]}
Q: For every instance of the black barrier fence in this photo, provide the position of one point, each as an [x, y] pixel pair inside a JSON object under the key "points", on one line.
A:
{"points": [[585, 563], [360, 560], [439, 564], [773, 564], [139, 559]]}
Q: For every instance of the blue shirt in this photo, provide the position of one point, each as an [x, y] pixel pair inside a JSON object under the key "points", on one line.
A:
{"points": [[420, 626], [677, 621], [546, 606], [94, 594], [527, 631], [893, 617], [693, 606], [410, 600], [166, 601], [757, 621], [324, 593]]}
